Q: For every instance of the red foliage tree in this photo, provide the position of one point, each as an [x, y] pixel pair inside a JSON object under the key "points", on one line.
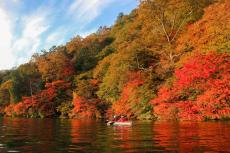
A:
{"points": [[84, 108], [201, 91], [125, 104], [42, 103]]}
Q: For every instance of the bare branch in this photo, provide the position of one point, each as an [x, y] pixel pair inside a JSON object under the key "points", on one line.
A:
{"points": [[174, 21], [164, 29], [179, 28]]}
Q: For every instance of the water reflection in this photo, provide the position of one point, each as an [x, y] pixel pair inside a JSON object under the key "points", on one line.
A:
{"points": [[50, 135], [193, 136], [82, 135]]}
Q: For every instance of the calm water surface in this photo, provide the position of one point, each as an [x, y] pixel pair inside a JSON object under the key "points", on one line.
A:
{"points": [[53, 135]]}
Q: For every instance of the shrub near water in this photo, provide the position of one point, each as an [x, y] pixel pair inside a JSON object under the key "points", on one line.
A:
{"points": [[201, 90], [134, 100], [42, 104]]}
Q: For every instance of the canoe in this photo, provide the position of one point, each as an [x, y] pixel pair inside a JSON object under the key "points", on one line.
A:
{"points": [[127, 123]]}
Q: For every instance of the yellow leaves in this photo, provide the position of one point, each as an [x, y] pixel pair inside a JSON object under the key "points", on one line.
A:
{"points": [[4, 92], [6, 85], [102, 67], [209, 33], [55, 65], [74, 44]]}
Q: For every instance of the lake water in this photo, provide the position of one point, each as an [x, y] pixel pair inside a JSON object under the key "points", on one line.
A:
{"points": [[55, 135]]}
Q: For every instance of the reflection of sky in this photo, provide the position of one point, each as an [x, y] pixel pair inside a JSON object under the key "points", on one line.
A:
{"points": [[28, 26]]}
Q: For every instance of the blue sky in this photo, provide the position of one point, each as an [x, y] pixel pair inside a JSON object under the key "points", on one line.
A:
{"points": [[28, 26]]}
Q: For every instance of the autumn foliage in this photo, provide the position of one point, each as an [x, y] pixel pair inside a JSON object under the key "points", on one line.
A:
{"points": [[201, 90], [84, 108], [41, 104], [125, 105], [166, 59], [209, 33]]}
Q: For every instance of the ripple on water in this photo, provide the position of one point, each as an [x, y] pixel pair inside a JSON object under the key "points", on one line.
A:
{"points": [[80, 136]]}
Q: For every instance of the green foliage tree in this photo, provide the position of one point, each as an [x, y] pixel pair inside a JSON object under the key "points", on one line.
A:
{"points": [[85, 51], [5, 96]]}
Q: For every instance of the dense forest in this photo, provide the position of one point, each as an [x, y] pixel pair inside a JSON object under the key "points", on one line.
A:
{"points": [[167, 59]]}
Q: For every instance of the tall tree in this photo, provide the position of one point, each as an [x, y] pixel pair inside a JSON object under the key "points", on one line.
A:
{"points": [[54, 65]]}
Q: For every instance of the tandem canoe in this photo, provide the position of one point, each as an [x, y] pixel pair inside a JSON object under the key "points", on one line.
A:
{"points": [[126, 123]]}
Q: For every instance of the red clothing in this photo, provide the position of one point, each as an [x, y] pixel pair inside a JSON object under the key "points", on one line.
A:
{"points": [[122, 120]]}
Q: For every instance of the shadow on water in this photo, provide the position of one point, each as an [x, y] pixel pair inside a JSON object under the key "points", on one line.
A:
{"points": [[56, 135]]}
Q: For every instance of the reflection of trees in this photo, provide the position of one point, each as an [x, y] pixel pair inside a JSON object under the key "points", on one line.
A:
{"points": [[28, 135], [137, 138], [83, 136], [123, 135], [188, 137], [215, 136], [192, 136], [35, 135], [91, 136], [165, 135], [75, 132]]}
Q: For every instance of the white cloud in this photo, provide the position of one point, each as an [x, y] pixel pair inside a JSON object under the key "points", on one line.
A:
{"points": [[24, 31], [17, 48], [6, 55], [85, 11], [87, 33], [55, 38], [33, 28], [16, 1]]}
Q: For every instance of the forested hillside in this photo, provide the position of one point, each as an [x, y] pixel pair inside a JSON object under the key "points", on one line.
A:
{"points": [[167, 59]]}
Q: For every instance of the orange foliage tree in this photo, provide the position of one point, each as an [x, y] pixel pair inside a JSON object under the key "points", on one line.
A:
{"points": [[42, 104], [125, 105], [209, 33], [84, 108], [54, 65]]}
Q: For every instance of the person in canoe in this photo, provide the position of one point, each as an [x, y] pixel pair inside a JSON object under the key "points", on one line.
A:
{"points": [[114, 119], [119, 120], [122, 119]]}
